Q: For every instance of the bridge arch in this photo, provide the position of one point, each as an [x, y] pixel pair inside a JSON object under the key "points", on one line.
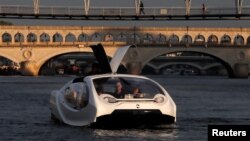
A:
{"points": [[239, 40], [150, 69], [173, 39], [213, 39], [181, 71], [211, 66], [186, 39], [50, 64], [109, 37], [31, 37], [226, 39], [42, 62], [122, 37], [199, 39], [56, 53], [96, 37], [224, 62], [161, 39], [19, 37], [248, 40], [6, 37], [152, 65], [148, 39], [57, 37], [83, 37], [181, 63], [44, 37], [210, 69], [9, 57], [70, 37], [136, 38]]}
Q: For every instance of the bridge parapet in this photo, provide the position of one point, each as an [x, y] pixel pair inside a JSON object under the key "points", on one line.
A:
{"points": [[130, 35]]}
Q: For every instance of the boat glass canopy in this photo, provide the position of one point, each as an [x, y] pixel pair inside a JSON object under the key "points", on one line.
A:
{"points": [[133, 86]]}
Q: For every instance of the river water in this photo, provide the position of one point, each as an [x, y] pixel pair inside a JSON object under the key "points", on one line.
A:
{"points": [[201, 101]]}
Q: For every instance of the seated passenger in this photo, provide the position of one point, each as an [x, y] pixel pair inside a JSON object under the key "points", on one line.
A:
{"points": [[119, 91], [137, 92], [75, 96], [70, 96]]}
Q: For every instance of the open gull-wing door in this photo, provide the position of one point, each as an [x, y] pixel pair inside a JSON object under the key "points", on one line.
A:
{"points": [[102, 58], [118, 57], [112, 66]]}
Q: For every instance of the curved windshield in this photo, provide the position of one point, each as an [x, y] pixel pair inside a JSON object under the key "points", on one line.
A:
{"points": [[76, 95], [127, 87]]}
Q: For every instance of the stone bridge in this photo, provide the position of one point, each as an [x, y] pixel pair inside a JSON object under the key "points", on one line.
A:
{"points": [[32, 46], [236, 60]]}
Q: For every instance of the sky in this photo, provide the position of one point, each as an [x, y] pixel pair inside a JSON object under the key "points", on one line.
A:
{"points": [[130, 3]]}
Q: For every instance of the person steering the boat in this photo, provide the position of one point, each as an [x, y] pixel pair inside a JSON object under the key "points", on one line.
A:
{"points": [[119, 90]]}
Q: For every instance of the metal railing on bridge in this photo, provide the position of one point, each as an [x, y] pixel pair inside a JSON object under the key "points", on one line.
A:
{"points": [[124, 13]]}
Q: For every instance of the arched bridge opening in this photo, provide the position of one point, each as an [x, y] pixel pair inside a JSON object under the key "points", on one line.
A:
{"points": [[188, 63], [216, 69], [180, 68], [73, 63], [173, 68], [149, 69], [8, 66]]}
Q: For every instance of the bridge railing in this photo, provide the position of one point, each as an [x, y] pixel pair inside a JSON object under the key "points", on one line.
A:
{"points": [[219, 11], [16, 10], [119, 11], [246, 9]]}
